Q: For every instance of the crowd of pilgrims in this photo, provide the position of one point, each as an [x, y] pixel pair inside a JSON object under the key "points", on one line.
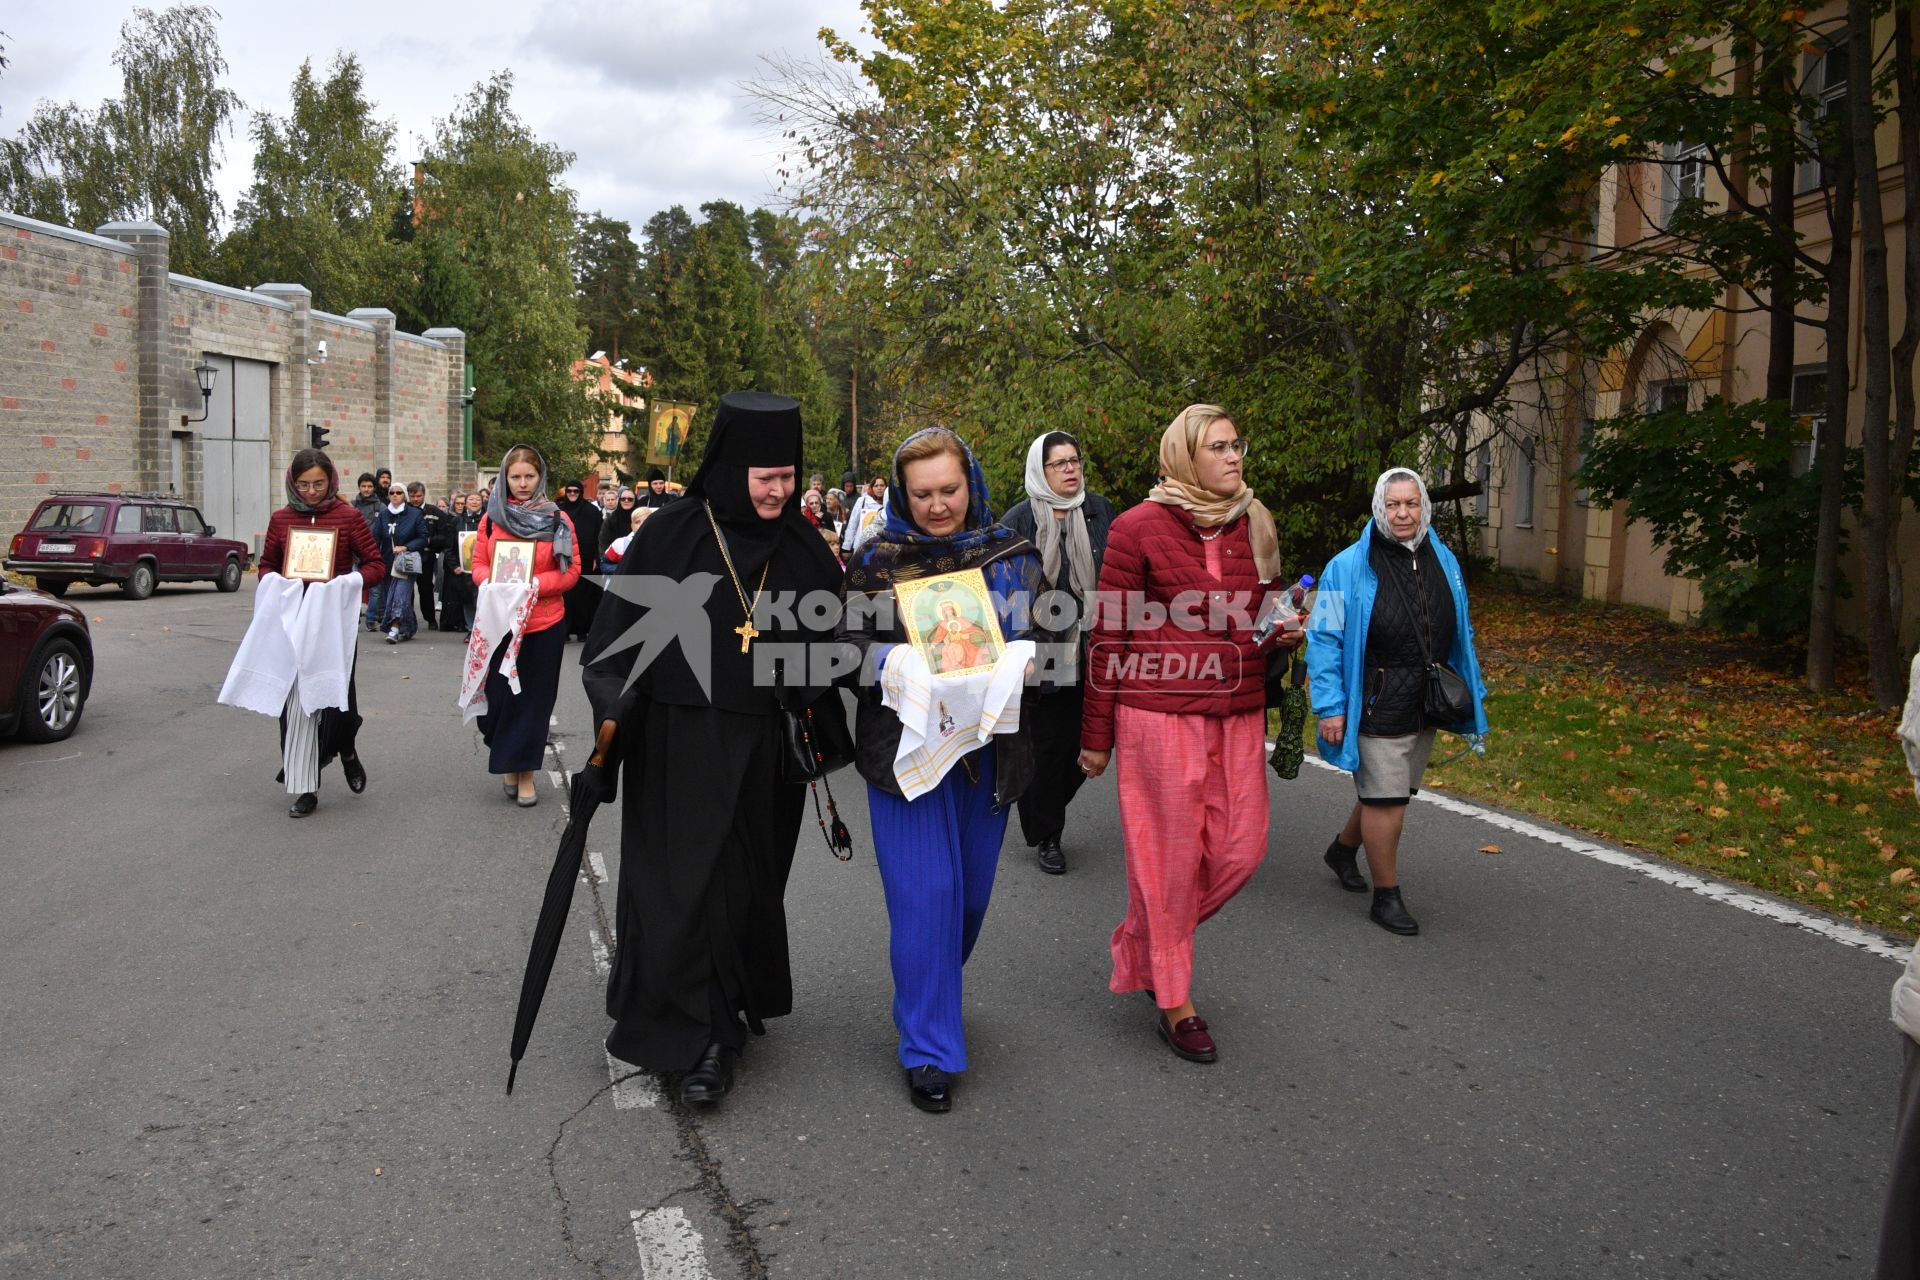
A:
{"points": [[694, 746]]}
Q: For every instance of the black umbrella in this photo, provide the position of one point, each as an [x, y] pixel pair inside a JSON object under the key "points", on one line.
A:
{"points": [[586, 794]]}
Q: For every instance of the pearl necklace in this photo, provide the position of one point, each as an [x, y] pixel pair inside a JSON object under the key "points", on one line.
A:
{"points": [[1208, 537]]}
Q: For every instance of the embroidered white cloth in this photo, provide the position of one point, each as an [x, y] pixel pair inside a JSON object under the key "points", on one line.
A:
{"points": [[944, 717], [499, 616], [304, 630]]}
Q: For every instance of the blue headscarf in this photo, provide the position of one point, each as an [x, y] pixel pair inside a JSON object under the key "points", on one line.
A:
{"points": [[901, 551]]}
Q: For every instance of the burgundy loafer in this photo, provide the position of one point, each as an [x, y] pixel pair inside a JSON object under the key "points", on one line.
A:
{"points": [[1187, 1038]]}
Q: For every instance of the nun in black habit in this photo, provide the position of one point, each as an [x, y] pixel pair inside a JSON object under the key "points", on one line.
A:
{"points": [[707, 825]]}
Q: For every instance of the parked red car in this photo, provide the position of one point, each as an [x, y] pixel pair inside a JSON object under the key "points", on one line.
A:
{"points": [[134, 539], [46, 664]]}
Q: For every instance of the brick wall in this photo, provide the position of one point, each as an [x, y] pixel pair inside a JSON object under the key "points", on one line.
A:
{"points": [[69, 391], [98, 343], [419, 409], [342, 395]]}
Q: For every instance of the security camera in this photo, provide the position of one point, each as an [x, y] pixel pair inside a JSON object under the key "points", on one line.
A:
{"points": [[319, 352]]}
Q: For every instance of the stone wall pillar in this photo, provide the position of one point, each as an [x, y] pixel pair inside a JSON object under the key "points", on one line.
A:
{"points": [[153, 445], [384, 323], [294, 408], [461, 471]]}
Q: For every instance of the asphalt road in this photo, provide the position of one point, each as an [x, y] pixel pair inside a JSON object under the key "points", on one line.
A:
{"points": [[241, 1046]]}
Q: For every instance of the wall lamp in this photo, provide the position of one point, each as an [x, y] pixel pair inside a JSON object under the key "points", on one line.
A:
{"points": [[206, 375]]}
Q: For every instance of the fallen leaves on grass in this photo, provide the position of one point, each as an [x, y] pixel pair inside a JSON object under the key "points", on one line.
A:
{"points": [[1703, 745]]}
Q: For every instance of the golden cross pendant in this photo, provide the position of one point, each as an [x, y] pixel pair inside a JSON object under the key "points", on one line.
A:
{"points": [[746, 631]]}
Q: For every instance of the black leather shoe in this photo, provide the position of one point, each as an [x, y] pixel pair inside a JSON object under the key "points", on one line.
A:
{"points": [[355, 771], [1342, 862], [711, 1077], [1052, 860], [303, 805], [1391, 914], [930, 1089]]}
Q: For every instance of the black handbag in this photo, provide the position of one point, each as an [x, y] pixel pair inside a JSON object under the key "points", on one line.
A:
{"points": [[1447, 701], [814, 741]]}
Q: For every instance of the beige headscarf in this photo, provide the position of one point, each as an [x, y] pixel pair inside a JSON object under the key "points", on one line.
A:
{"points": [[1180, 487]]}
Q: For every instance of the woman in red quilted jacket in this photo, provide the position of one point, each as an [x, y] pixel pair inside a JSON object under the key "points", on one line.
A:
{"points": [[1176, 693]]}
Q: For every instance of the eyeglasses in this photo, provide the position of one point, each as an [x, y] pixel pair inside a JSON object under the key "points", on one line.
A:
{"points": [[1064, 464], [1221, 448], [312, 486]]}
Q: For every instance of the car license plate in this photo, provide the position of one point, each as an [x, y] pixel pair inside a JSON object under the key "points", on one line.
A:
{"points": [[57, 548]]}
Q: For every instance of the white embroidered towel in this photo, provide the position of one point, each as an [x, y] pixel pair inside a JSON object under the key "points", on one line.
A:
{"points": [[942, 718], [499, 617], [264, 666], [324, 635]]}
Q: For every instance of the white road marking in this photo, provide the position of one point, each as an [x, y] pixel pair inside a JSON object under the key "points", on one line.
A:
{"points": [[59, 759], [559, 777], [633, 1092], [599, 865], [1767, 908], [669, 1246]]}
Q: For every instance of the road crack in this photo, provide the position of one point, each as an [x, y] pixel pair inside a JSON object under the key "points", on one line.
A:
{"points": [[597, 1267]]}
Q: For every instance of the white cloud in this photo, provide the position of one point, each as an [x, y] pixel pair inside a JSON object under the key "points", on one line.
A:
{"points": [[684, 45], [646, 96]]}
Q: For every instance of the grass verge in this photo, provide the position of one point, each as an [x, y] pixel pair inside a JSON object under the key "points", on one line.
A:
{"points": [[1696, 745]]}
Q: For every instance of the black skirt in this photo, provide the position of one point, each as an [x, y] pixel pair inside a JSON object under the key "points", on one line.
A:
{"points": [[707, 838], [515, 724]]}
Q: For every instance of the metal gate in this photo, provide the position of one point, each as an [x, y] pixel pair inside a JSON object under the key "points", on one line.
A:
{"points": [[237, 452]]}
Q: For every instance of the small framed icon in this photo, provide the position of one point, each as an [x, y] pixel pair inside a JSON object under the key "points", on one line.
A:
{"points": [[310, 554], [467, 538], [950, 619], [512, 560]]}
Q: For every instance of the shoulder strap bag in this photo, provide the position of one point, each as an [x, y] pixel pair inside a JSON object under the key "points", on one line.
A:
{"points": [[1447, 701]]}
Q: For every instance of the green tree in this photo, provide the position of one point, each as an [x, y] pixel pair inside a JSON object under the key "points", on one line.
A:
{"points": [[148, 153], [325, 189], [1347, 225], [606, 265], [723, 307], [494, 234]]}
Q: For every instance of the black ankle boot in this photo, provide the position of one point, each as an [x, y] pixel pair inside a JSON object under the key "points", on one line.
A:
{"points": [[711, 1077], [1391, 914], [1340, 860]]}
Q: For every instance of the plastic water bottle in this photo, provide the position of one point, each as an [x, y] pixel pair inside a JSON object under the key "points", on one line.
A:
{"points": [[1284, 610]]}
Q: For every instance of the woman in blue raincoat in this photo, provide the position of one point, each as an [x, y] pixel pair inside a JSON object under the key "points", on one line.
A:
{"points": [[1391, 608]]}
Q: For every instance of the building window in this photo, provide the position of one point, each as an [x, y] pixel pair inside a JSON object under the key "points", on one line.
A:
{"points": [[1683, 176], [1523, 476], [1826, 81], [1809, 409], [1665, 397]]}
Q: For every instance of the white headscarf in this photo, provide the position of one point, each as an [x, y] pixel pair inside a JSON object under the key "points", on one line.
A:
{"points": [[392, 508], [1391, 476], [1048, 533]]}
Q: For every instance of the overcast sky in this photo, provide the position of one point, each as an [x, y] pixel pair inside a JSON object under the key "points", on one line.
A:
{"points": [[646, 94]]}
